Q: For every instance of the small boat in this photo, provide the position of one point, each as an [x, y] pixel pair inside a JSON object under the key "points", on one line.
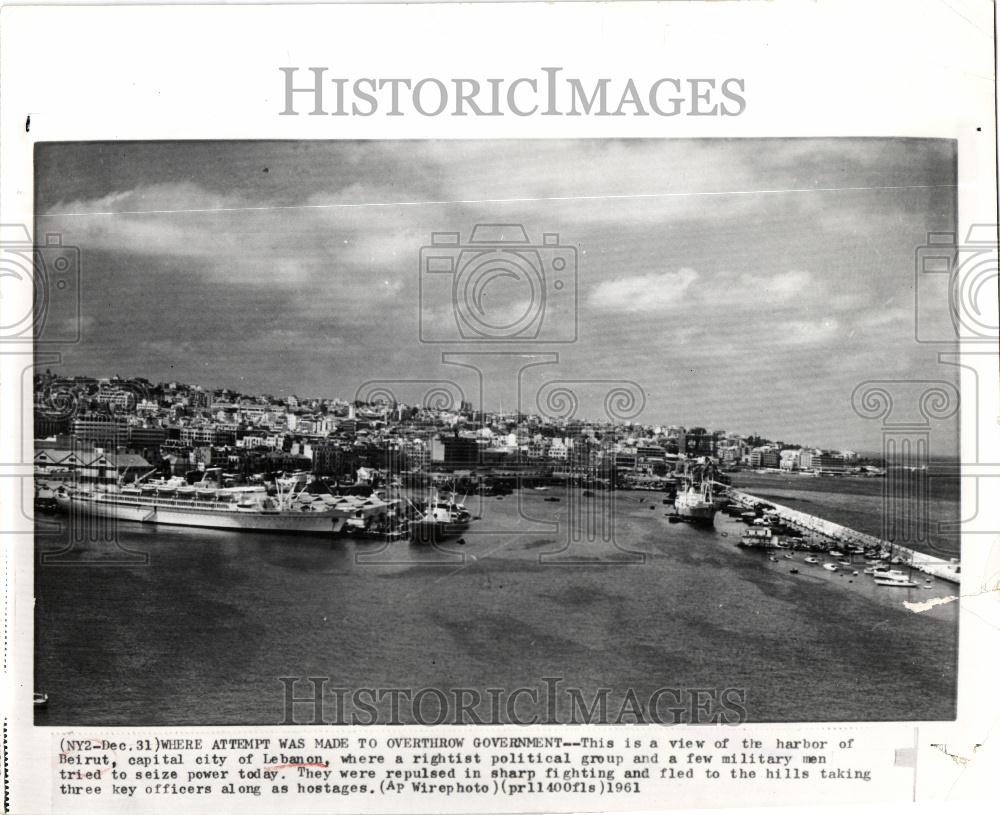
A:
{"points": [[789, 556], [772, 558], [895, 583], [793, 570], [811, 560], [40, 699], [830, 567], [552, 499], [757, 536]]}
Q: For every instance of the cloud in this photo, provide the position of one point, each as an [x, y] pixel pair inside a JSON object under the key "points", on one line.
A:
{"points": [[783, 286], [806, 332], [184, 227], [181, 221], [886, 315], [185, 196], [642, 293], [307, 253]]}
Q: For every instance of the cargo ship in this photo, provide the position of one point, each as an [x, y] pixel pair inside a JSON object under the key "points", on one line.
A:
{"points": [[248, 508], [696, 504], [443, 517]]}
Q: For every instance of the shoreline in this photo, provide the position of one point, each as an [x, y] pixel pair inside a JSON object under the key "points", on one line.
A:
{"points": [[949, 570], [927, 518]]}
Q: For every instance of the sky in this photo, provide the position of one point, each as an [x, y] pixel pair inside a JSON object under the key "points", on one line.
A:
{"points": [[748, 285]]}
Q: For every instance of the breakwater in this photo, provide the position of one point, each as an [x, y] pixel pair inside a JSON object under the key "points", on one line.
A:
{"points": [[946, 569]]}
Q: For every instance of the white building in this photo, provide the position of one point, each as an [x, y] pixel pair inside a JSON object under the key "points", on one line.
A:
{"points": [[789, 460]]}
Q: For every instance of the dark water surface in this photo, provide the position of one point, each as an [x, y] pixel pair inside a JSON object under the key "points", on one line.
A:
{"points": [[200, 634]]}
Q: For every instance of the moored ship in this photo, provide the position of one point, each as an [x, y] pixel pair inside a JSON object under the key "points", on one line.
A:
{"points": [[248, 508], [696, 504], [443, 517]]}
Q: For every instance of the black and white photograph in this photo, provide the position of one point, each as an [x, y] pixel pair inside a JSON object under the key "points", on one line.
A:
{"points": [[497, 432], [509, 407]]}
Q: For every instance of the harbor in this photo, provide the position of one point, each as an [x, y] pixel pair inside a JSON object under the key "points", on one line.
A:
{"points": [[656, 604], [294, 503], [429, 509], [546, 572]]}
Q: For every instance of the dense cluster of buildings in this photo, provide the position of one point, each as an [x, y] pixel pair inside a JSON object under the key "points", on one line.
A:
{"points": [[119, 428]]}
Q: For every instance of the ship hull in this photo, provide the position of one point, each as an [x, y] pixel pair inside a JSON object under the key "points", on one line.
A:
{"points": [[697, 515], [308, 523], [434, 531]]}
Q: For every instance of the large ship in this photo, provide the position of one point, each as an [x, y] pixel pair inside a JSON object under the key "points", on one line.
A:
{"points": [[695, 504], [442, 517], [248, 508]]}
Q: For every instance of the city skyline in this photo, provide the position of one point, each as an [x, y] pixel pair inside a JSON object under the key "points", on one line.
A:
{"points": [[127, 397], [752, 283]]}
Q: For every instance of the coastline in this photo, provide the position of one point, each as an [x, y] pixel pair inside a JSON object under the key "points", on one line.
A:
{"points": [[858, 504]]}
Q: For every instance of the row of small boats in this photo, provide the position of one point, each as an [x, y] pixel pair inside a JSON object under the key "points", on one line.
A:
{"points": [[882, 574]]}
